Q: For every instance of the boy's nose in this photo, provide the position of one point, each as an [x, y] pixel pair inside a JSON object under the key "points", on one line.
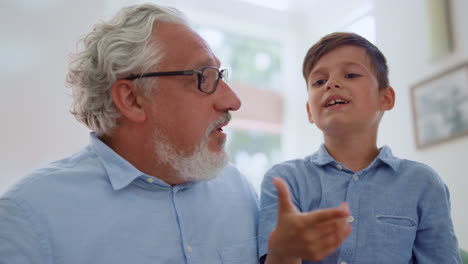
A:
{"points": [[332, 85]]}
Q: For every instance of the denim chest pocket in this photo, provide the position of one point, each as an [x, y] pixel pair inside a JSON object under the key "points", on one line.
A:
{"points": [[398, 221], [244, 252], [394, 235]]}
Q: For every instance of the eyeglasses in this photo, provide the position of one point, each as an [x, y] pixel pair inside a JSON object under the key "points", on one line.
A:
{"points": [[208, 77]]}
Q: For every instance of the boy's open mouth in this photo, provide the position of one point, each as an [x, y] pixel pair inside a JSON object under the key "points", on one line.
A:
{"points": [[335, 100]]}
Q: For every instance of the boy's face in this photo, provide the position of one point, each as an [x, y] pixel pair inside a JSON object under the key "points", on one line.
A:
{"points": [[343, 92]]}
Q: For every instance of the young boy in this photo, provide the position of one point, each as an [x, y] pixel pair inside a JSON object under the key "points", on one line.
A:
{"points": [[399, 209]]}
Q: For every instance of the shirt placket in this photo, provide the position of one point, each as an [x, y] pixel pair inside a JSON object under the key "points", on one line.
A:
{"points": [[185, 241], [352, 197]]}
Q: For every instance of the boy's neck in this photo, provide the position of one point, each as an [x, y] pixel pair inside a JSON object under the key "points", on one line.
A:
{"points": [[356, 152]]}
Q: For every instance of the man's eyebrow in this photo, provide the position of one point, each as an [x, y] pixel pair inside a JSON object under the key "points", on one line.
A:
{"points": [[208, 62]]}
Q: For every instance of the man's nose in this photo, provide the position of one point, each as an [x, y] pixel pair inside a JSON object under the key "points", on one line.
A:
{"points": [[226, 98]]}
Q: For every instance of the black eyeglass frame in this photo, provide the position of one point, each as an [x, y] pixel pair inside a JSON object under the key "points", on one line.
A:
{"points": [[222, 74]]}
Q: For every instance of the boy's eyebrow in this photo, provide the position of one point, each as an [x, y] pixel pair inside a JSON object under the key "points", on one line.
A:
{"points": [[316, 71], [346, 63], [360, 65], [352, 63]]}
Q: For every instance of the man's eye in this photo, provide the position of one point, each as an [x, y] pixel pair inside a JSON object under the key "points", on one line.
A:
{"points": [[202, 78], [352, 75], [318, 83]]}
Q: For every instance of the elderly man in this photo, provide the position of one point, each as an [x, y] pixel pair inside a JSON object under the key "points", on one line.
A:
{"points": [[153, 185]]}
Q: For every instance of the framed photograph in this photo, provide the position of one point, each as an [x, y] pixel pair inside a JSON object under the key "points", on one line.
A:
{"points": [[440, 107]]}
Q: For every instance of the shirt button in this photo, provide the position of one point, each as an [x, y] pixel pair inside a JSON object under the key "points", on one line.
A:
{"points": [[150, 180], [356, 177], [350, 219], [189, 249], [339, 167]]}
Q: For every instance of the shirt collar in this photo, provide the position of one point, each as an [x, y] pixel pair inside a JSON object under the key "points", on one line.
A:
{"points": [[322, 157], [120, 172], [387, 157]]}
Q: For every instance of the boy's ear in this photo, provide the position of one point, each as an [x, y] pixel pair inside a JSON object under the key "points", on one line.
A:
{"points": [[127, 99], [309, 115], [387, 98]]}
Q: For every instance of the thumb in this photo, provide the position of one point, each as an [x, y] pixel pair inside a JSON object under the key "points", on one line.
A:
{"points": [[344, 206], [285, 204]]}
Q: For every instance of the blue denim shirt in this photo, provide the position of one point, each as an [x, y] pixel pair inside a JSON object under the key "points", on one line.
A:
{"points": [[95, 207], [400, 208]]}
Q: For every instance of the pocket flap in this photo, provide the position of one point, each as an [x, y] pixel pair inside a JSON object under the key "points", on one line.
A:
{"points": [[404, 221]]}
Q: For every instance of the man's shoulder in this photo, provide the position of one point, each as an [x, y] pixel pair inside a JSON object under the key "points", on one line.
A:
{"points": [[230, 169], [54, 175], [231, 179], [231, 175]]}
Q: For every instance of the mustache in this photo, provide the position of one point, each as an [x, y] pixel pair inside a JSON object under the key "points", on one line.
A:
{"points": [[224, 119]]}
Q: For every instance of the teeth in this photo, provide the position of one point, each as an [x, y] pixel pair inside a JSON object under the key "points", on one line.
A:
{"points": [[336, 101]]}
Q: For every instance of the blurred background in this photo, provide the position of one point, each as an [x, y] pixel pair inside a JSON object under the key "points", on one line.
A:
{"points": [[263, 44]]}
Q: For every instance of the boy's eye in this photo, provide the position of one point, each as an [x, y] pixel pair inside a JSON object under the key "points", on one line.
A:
{"points": [[319, 82], [352, 75]]}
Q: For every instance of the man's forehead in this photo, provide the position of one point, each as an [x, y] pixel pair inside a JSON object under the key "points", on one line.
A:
{"points": [[183, 45], [208, 62]]}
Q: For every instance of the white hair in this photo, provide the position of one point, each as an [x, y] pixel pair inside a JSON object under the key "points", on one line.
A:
{"points": [[113, 50], [200, 165]]}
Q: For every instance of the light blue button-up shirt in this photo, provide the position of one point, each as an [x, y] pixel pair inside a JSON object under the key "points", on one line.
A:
{"points": [[95, 207], [400, 208]]}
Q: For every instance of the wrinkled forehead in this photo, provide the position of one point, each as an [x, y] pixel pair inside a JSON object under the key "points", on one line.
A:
{"points": [[182, 47]]}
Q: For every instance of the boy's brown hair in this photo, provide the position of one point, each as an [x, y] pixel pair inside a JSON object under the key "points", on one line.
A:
{"points": [[338, 39]]}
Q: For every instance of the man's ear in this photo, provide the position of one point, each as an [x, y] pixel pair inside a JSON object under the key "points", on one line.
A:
{"points": [[309, 115], [387, 98], [127, 99]]}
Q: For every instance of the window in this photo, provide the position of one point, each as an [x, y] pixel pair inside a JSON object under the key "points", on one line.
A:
{"points": [[254, 141]]}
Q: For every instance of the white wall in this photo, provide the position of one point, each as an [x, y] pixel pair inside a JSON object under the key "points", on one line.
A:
{"points": [[36, 126]]}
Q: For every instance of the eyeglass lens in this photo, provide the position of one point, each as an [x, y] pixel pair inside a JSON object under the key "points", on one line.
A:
{"points": [[209, 79]]}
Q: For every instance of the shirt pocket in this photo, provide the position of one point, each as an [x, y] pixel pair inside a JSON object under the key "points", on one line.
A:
{"points": [[244, 252], [398, 221], [394, 237]]}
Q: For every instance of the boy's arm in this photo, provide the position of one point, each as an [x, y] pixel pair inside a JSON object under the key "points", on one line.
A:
{"points": [[310, 236], [435, 239]]}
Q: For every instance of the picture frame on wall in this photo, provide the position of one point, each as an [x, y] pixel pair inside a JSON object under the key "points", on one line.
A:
{"points": [[440, 107]]}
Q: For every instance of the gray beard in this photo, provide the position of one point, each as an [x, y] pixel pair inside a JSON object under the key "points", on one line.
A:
{"points": [[201, 165]]}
